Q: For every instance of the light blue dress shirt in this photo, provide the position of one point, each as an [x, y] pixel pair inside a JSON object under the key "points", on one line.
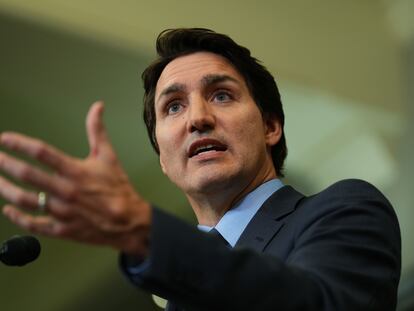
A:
{"points": [[235, 220]]}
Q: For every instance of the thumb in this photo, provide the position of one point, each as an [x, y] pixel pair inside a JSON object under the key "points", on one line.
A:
{"points": [[99, 144]]}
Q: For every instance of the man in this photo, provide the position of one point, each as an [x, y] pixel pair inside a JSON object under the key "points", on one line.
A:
{"points": [[215, 118]]}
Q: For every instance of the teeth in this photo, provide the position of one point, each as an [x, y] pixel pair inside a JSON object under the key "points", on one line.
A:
{"points": [[204, 147]]}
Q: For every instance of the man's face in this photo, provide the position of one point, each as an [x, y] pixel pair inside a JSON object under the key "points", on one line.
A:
{"points": [[210, 132]]}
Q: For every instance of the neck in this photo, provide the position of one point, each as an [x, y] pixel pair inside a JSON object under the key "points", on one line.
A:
{"points": [[209, 207]]}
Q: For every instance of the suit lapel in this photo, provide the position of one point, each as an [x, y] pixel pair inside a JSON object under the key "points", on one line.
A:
{"points": [[265, 224], [269, 219]]}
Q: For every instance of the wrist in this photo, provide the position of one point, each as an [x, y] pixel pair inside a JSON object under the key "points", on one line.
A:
{"points": [[136, 241]]}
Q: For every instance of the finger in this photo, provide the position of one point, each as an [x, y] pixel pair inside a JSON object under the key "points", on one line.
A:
{"points": [[60, 210], [17, 195], [29, 200], [38, 150], [77, 230], [99, 143], [34, 176], [45, 225]]}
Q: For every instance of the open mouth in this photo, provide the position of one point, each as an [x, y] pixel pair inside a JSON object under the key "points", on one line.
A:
{"points": [[205, 145]]}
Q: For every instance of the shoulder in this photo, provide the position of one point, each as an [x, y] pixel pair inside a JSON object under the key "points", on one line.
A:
{"points": [[346, 233], [352, 200], [354, 186], [349, 192]]}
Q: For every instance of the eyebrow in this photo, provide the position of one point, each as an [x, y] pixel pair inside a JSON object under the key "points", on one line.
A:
{"points": [[206, 81], [210, 79], [176, 87]]}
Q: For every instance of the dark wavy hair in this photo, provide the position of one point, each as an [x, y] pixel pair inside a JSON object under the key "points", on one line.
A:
{"points": [[173, 43]]}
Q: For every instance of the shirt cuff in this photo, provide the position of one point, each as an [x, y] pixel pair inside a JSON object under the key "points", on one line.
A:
{"points": [[134, 266]]}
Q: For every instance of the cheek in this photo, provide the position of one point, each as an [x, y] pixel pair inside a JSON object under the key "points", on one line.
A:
{"points": [[162, 142], [163, 164], [249, 130], [163, 136], [169, 150], [250, 141]]}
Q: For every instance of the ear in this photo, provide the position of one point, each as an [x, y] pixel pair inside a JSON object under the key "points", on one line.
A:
{"points": [[273, 130]]}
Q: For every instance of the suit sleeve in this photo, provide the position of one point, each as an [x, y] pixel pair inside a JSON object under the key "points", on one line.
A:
{"points": [[345, 255]]}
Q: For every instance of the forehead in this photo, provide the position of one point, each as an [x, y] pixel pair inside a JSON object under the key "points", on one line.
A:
{"points": [[190, 69]]}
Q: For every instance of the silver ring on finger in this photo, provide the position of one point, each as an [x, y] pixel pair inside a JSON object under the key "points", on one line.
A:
{"points": [[42, 201]]}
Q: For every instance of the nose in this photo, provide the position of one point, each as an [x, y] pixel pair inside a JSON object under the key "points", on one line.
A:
{"points": [[200, 116]]}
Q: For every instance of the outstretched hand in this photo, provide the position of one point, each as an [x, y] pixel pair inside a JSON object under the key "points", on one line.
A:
{"points": [[89, 200]]}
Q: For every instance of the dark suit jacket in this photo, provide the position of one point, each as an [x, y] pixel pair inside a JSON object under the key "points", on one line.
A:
{"points": [[336, 250]]}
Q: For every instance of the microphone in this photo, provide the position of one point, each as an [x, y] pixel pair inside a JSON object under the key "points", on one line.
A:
{"points": [[19, 250]]}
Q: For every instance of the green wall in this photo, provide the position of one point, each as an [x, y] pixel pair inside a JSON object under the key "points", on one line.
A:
{"points": [[47, 82]]}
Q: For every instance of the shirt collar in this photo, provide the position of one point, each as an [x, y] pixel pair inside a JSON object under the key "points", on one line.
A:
{"points": [[235, 220]]}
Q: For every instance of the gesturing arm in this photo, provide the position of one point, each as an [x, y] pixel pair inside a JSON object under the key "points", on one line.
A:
{"points": [[89, 200]]}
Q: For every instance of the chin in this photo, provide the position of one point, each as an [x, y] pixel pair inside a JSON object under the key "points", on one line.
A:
{"points": [[212, 181]]}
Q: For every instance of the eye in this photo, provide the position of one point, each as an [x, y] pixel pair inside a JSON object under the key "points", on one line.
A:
{"points": [[174, 107], [222, 96]]}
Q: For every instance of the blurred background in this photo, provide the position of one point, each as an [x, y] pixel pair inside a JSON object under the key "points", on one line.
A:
{"points": [[345, 70]]}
